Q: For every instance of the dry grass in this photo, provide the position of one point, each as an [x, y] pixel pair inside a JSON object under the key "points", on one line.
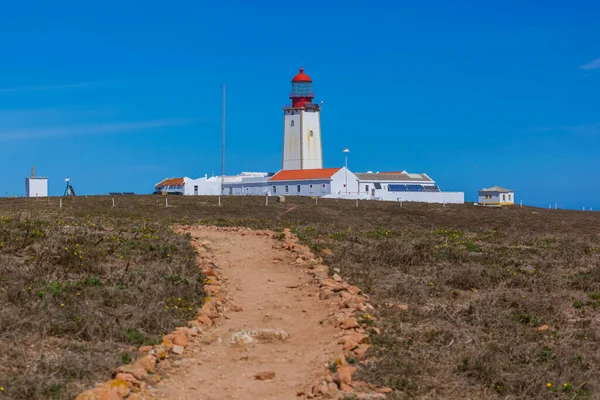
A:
{"points": [[77, 295], [477, 282]]}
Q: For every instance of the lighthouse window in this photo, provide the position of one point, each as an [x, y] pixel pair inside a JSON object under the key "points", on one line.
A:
{"points": [[311, 133], [292, 123]]}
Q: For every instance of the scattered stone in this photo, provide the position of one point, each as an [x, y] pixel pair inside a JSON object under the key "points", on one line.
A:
{"points": [[325, 294], [204, 320], [235, 308], [130, 379], [384, 390], [542, 328], [144, 349], [242, 338], [361, 350], [264, 376], [147, 363], [344, 375], [154, 379], [349, 323], [177, 350], [337, 278], [137, 371], [180, 339]]}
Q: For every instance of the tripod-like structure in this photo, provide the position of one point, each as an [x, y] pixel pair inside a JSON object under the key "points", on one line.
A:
{"points": [[69, 191]]}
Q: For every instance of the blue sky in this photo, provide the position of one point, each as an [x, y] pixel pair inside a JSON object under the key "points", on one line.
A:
{"points": [[118, 95]]}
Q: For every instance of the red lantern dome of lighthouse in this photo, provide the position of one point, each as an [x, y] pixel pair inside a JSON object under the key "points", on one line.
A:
{"points": [[302, 93], [302, 77]]}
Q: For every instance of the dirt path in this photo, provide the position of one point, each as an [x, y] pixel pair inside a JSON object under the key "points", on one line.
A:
{"points": [[272, 293]]}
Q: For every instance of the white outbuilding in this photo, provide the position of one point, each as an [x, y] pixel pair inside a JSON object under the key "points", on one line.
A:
{"points": [[312, 182], [496, 196], [36, 186]]}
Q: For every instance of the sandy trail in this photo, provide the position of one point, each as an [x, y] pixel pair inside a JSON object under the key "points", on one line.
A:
{"points": [[273, 293]]}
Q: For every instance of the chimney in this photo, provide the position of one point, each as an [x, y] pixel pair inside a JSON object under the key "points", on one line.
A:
{"points": [[32, 171]]}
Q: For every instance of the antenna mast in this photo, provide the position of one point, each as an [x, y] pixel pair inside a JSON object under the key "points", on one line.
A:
{"points": [[223, 141]]}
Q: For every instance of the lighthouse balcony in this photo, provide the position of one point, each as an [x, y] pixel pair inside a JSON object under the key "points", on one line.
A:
{"points": [[306, 106], [301, 94]]}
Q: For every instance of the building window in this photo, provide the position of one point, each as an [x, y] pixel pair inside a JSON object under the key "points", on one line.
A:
{"points": [[298, 187], [510, 197], [310, 188], [292, 123], [323, 188], [367, 188], [503, 197], [311, 133], [286, 188], [274, 189]]}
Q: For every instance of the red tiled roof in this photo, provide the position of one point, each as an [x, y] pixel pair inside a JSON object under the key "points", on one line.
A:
{"points": [[302, 174], [170, 182]]}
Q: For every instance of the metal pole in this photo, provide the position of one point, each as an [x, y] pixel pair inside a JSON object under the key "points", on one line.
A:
{"points": [[60, 203], [266, 200], [223, 142], [521, 203], [219, 201], [356, 203], [346, 173], [113, 201]]}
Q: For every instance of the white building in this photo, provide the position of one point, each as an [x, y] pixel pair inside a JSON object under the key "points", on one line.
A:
{"points": [[496, 196], [302, 172], [188, 186], [312, 182], [400, 186], [302, 127], [247, 184], [36, 186]]}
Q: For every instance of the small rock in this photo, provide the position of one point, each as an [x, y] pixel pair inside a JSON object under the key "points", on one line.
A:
{"points": [[204, 320], [180, 339], [177, 349], [349, 323], [147, 363], [542, 328], [130, 379], [384, 390], [265, 376], [337, 278]]}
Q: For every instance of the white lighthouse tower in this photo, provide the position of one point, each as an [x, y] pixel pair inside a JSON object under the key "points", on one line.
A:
{"points": [[302, 127]]}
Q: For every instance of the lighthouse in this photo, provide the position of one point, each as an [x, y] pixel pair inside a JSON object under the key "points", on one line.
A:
{"points": [[302, 127]]}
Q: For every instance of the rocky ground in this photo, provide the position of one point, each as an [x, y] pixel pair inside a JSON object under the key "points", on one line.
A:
{"points": [[274, 326]]}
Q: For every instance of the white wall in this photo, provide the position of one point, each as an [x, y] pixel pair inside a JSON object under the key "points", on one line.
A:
{"points": [[497, 198], [312, 154], [384, 184], [36, 187], [424, 197], [300, 149], [421, 197], [339, 180], [206, 187], [291, 140], [320, 187]]}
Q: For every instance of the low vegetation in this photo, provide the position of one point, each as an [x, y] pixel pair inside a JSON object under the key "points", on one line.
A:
{"points": [[78, 294], [470, 302]]}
